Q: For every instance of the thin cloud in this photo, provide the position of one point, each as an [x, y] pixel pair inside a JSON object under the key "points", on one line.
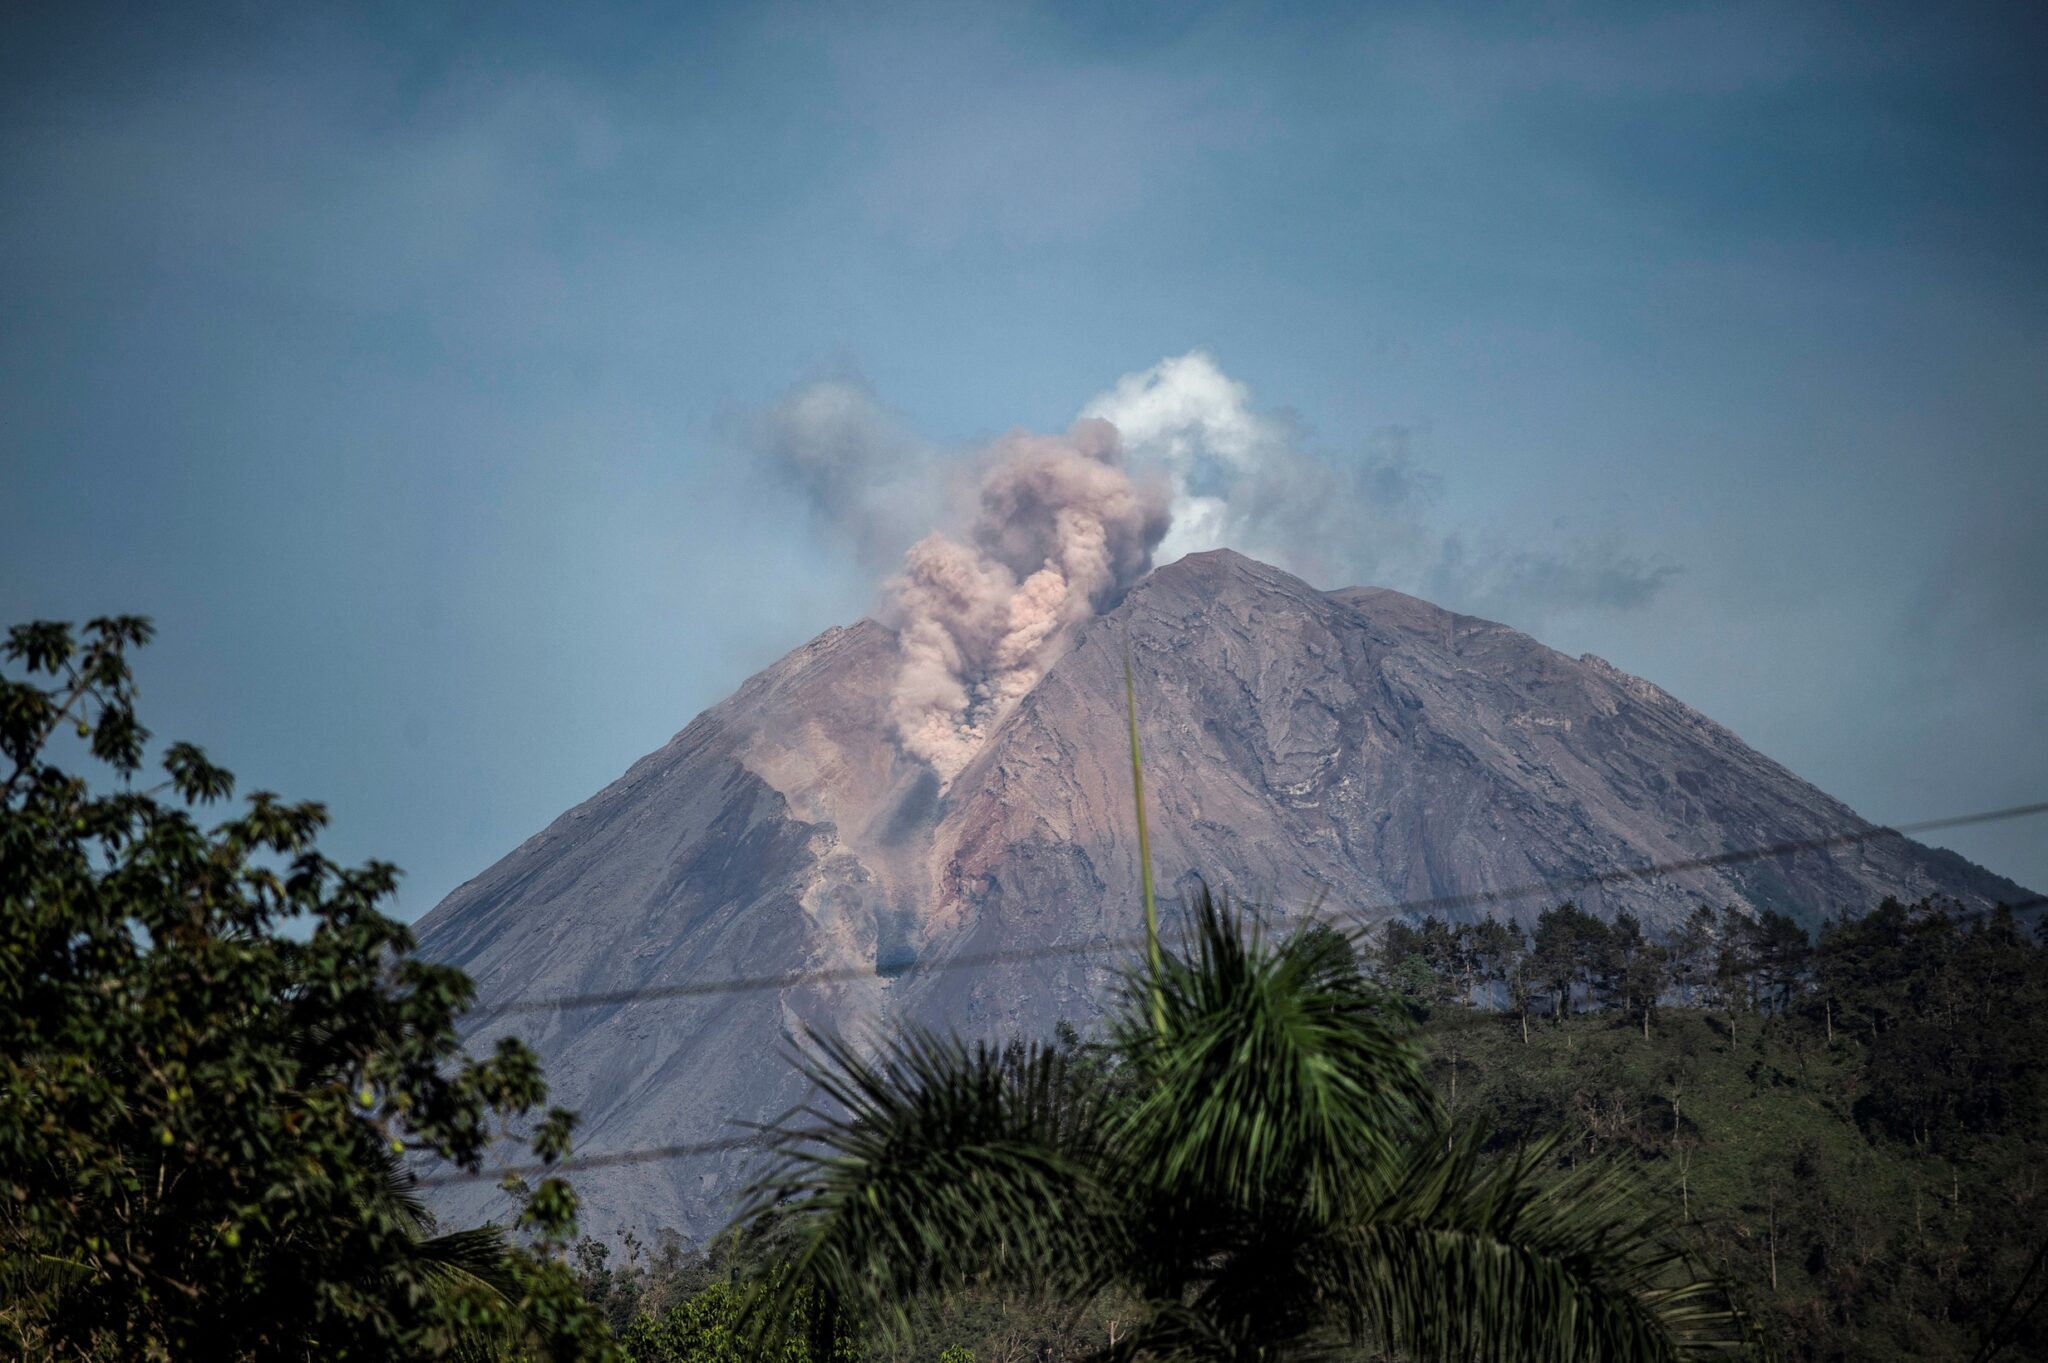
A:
{"points": [[971, 137], [871, 482]]}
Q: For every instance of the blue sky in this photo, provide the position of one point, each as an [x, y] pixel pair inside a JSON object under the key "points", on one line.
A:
{"points": [[418, 367]]}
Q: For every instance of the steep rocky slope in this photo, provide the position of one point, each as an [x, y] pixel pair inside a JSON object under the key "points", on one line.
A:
{"points": [[1356, 749]]}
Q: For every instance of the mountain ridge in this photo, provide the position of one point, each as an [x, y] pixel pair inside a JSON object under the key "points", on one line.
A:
{"points": [[1355, 749]]}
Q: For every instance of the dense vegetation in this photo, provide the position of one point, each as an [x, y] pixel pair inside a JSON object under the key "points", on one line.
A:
{"points": [[1251, 1157], [1850, 1129], [1853, 1128], [214, 1051], [1249, 1164]]}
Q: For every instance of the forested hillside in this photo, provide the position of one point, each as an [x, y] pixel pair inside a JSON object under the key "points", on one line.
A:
{"points": [[1853, 1131], [1850, 1129]]}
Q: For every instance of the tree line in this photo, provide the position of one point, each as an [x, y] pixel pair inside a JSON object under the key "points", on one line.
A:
{"points": [[219, 1058], [1848, 1127], [1728, 961], [1851, 1125]]}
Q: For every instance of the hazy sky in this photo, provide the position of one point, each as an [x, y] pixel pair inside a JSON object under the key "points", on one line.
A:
{"points": [[433, 380]]}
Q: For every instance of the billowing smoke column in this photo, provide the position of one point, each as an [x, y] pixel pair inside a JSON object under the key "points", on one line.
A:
{"points": [[1061, 530], [1061, 525]]}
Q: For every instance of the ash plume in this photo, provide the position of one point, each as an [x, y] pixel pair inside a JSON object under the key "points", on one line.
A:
{"points": [[871, 483], [1060, 530], [1168, 461]]}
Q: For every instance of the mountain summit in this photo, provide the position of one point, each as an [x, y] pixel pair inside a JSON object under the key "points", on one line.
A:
{"points": [[1358, 750]]}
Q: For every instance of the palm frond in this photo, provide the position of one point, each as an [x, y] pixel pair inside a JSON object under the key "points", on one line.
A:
{"points": [[397, 1188], [1262, 1168], [928, 1166], [477, 1257], [1279, 1075], [462, 1264], [1468, 1259]]}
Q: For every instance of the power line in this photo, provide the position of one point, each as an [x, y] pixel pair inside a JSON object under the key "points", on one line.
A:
{"points": [[653, 1154], [579, 1163], [1776, 849], [982, 960]]}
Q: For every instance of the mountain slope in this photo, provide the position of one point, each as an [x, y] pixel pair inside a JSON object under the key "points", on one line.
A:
{"points": [[1358, 749]]}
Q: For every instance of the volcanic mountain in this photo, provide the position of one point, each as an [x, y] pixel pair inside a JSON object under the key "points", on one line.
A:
{"points": [[1360, 751]]}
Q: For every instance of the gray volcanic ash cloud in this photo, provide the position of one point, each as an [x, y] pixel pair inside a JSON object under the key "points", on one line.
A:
{"points": [[871, 483], [1170, 460], [1060, 531]]}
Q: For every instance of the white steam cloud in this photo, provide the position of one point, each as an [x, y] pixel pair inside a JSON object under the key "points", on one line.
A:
{"points": [[1060, 531], [1169, 461], [1244, 479]]}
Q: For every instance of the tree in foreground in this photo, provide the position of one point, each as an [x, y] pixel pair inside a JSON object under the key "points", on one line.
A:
{"points": [[215, 1052], [1259, 1166]]}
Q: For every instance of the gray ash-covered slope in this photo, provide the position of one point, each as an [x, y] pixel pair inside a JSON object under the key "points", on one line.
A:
{"points": [[1355, 749]]}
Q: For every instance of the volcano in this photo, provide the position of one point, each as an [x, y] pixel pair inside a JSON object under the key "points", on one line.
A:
{"points": [[1358, 751]]}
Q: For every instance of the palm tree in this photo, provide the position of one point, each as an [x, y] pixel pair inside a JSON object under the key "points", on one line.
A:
{"points": [[1253, 1157], [448, 1266]]}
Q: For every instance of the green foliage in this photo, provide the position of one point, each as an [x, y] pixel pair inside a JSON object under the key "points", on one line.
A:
{"points": [[214, 1049], [1256, 1165], [1278, 1071], [678, 1299], [712, 1327], [1863, 1151], [1568, 954]]}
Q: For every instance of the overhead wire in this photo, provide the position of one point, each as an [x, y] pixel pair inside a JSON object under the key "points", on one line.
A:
{"points": [[580, 1163], [983, 960]]}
